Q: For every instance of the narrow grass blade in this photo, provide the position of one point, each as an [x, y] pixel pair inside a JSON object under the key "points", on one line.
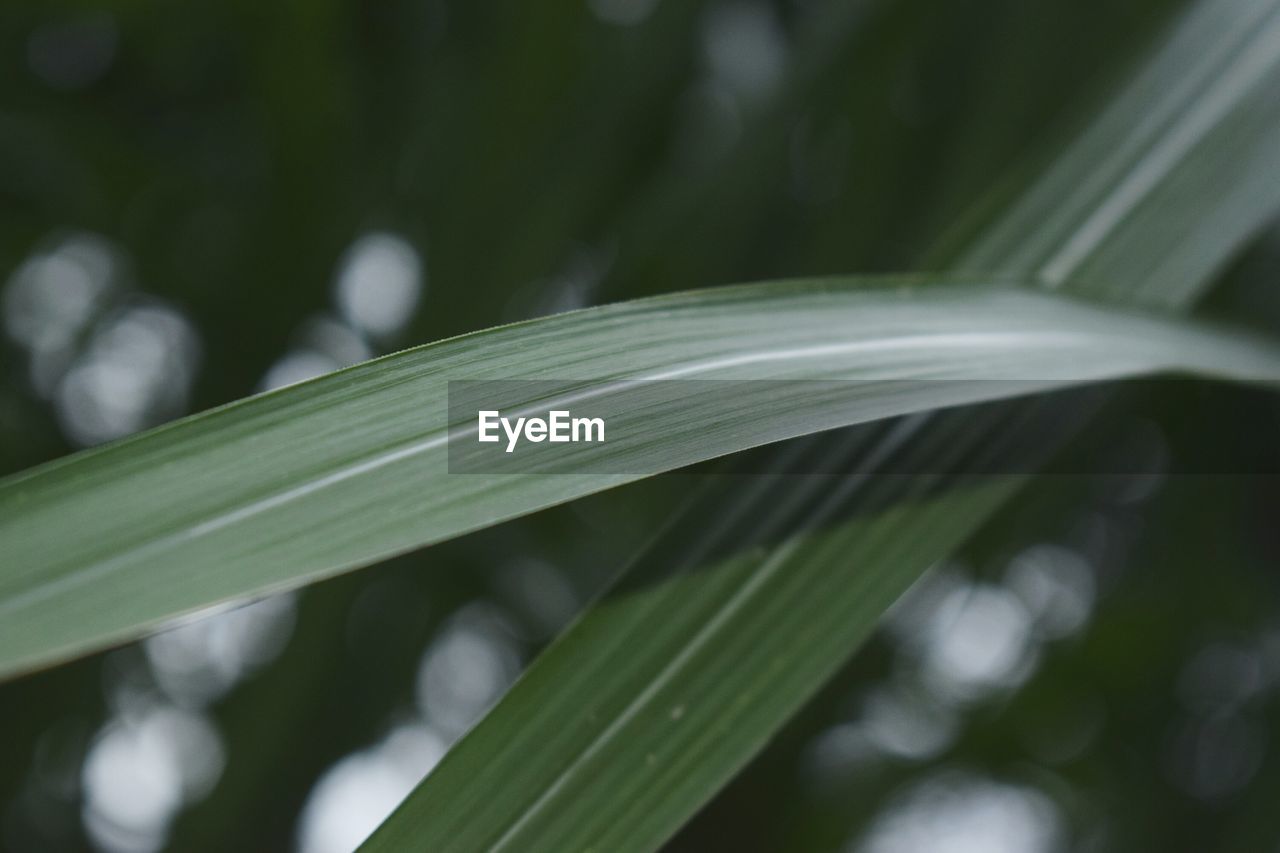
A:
{"points": [[342, 471]]}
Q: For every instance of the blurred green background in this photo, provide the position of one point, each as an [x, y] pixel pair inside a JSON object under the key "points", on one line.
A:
{"points": [[202, 200]]}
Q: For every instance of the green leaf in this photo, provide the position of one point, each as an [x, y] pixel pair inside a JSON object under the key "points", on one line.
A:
{"points": [[339, 472], [678, 676]]}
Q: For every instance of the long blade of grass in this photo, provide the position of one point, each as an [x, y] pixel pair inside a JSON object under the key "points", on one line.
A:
{"points": [[342, 471], [680, 674]]}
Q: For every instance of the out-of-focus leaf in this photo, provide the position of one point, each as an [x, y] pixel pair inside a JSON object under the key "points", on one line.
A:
{"points": [[675, 679]]}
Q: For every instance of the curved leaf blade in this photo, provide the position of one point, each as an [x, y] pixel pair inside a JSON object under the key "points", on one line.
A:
{"points": [[336, 473]]}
